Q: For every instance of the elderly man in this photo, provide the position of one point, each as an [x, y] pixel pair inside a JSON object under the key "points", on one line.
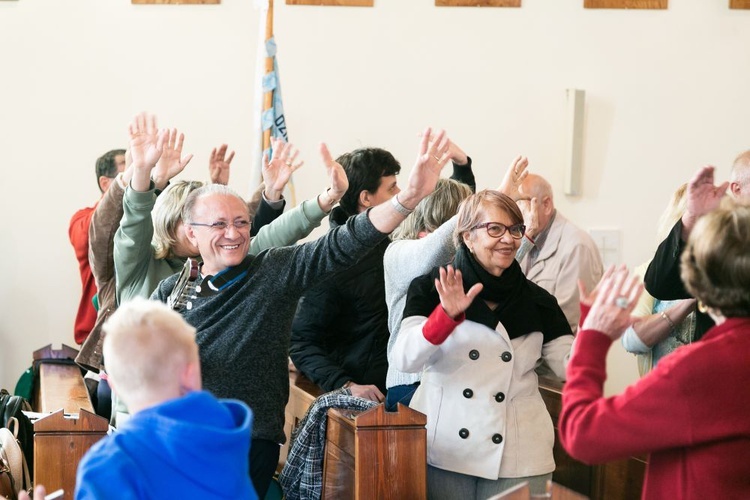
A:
{"points": [[562, 253], [244, 305], [662, 279]]}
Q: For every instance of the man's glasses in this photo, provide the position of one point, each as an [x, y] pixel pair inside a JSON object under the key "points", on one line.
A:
{"points": [[496, 229], [220, 226]]}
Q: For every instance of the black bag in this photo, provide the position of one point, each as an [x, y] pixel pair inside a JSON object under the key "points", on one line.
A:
{"points": [[14, 406]]}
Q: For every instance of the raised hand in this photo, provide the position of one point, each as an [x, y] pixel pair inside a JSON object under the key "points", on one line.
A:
{"points": [[530, 211], [587, 299], [218, 165], [423, 178], [514, 177], [339, 182], [278, 171], [702, 196], [145, 147], [614, 303], [450, 288], [171, 162], [455, 153]]}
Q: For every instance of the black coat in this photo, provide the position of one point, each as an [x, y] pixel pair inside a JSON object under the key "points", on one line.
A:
{"points": [[340, 331], [663, 281]]}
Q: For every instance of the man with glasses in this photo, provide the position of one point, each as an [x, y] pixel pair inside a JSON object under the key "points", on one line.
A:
{"points": [[244, 305], [562, 253]]}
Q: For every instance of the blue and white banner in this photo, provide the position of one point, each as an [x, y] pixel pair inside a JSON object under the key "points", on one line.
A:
{"points": [[267, 119]]}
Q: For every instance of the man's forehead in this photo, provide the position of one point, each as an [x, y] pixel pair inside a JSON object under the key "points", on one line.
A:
{"points": [[388, 180], [226, 205]]}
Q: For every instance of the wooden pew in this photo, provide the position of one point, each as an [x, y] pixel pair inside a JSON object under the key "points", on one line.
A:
{"points": [[621, 480], [375, 454], [70, 427], [361, 458]]}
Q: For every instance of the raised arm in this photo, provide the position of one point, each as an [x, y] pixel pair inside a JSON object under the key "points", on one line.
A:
{"points": [[340, 248], [423, 178], [299, 222], [514, 176], [662, 279], [171, 161], [462, 171], [278, 170], [146, 148], [702, 196], [132, 252]]}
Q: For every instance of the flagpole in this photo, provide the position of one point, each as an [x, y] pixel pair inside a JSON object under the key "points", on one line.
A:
{"points": [[268, 97]]}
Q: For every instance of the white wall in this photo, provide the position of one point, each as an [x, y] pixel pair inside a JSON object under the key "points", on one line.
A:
{"points": [[666, 93]]}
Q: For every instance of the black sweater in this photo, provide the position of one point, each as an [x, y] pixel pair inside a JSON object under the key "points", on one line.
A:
{"points": [[243, 331]]}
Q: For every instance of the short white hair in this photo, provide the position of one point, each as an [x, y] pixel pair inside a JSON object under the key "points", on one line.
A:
{"points": [[146, 347]]}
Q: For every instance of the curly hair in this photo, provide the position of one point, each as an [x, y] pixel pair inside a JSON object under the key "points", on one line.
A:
{"points": [[716, 261]]}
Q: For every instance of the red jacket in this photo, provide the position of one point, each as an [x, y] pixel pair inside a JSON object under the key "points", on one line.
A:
{"points": [[79, 238], [691, 413]]}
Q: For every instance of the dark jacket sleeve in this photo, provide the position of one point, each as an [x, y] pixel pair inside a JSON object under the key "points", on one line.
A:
{"points": [[265, 215], [662, 279], [313, 336], [465, 175]]}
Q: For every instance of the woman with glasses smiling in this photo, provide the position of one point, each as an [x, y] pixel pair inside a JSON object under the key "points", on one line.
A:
{"points": [[476, 330]]}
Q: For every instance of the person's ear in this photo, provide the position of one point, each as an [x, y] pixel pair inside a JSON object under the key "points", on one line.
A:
{"points": [[735, 189], [190, 378], [466, 235], [112, 385], [365, 199], [190, 233], [547, 206], [104, 183]]}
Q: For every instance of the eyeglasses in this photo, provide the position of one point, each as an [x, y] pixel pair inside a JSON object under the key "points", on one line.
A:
{"points": [[496, 229], [219, 226]]}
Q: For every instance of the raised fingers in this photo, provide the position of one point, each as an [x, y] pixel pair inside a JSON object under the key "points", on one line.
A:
{"points": [[325, 154], [425, 142]]}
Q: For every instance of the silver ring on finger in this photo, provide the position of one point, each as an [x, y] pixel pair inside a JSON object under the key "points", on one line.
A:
{"points": [[622, 302]]}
